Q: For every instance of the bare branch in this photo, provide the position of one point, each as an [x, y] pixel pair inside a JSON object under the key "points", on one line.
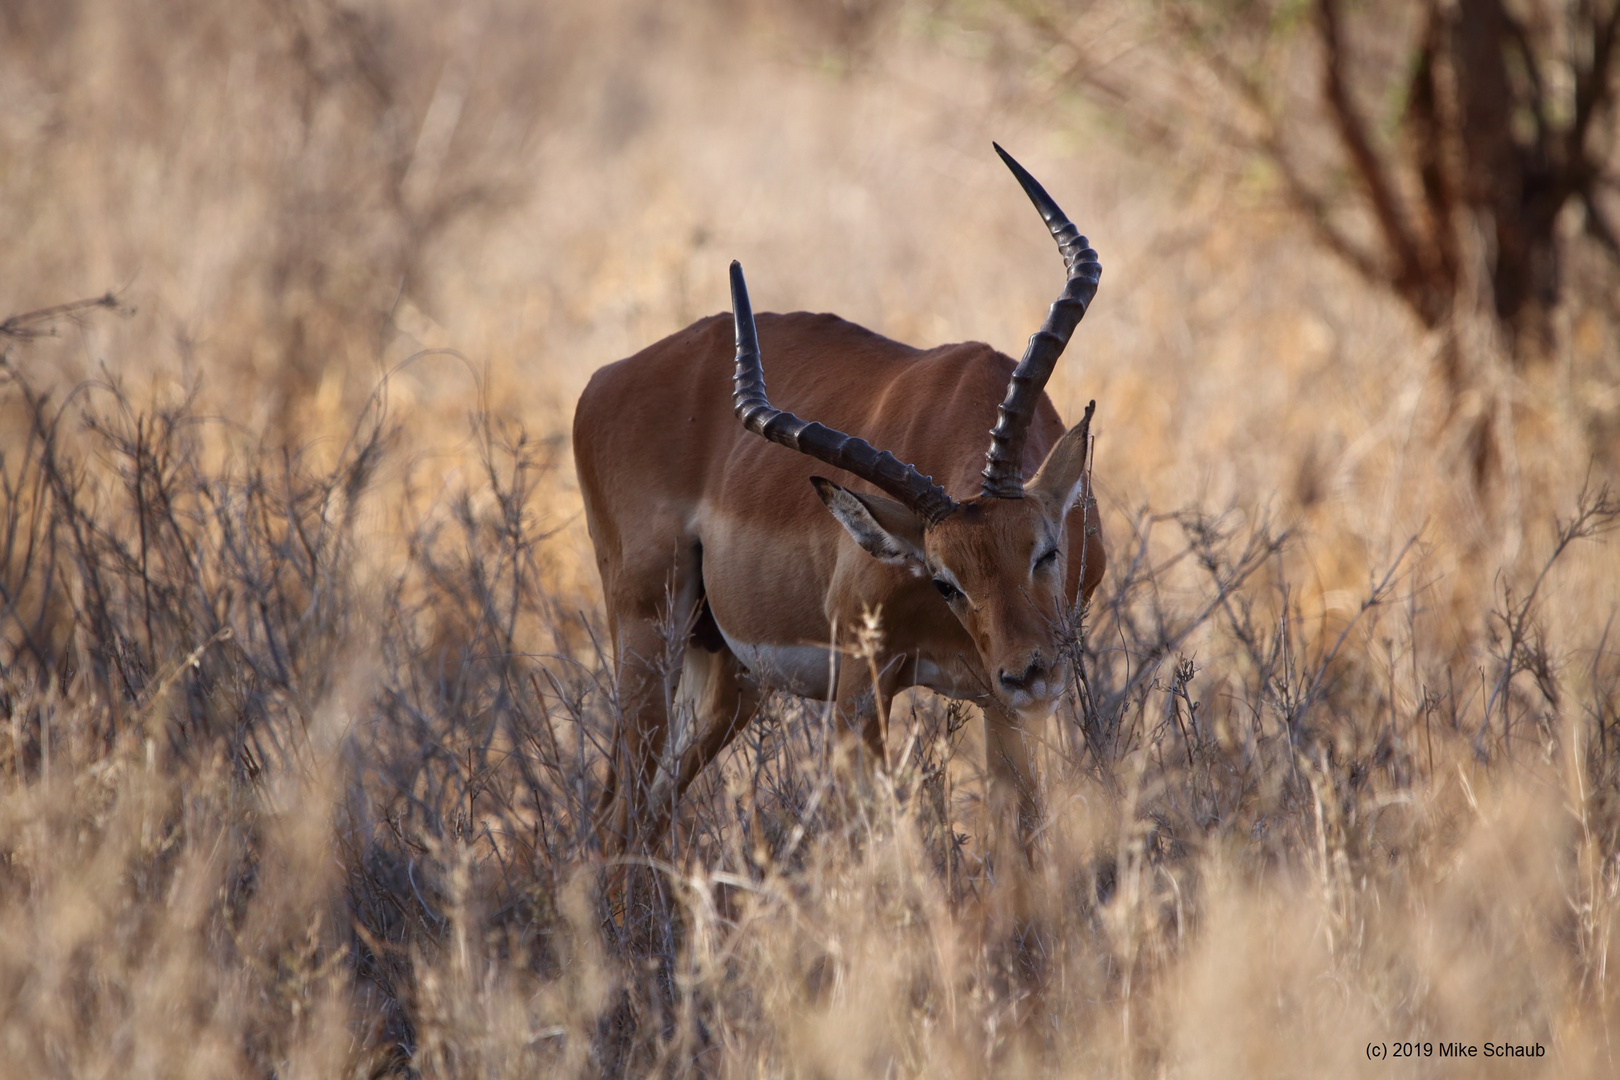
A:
{"points": [[1599, 227], [1301, 196], [1596, 512], [1520, 37], [1374, 171], [1432, 119], [1086, 69], [34, 324], [1592, 92]]}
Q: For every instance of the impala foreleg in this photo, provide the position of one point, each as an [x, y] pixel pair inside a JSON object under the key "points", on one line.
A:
{"points": [[1012, 787], [864, 704]]}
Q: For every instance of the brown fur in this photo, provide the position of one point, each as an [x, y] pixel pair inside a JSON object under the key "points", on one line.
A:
{"points": [[694, 517]]}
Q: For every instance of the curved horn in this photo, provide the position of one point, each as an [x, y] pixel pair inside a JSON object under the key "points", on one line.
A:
{"points": [[753, 408], [1003, 469]]}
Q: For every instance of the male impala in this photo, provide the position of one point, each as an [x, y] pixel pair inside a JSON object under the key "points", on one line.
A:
{"points": [[729, 566]]}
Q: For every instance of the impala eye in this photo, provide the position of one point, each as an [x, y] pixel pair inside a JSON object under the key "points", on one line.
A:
{"points": [[1046, 560], [950, 592]]}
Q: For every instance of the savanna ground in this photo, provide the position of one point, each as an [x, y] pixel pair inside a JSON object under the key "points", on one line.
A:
{"points": [[301, 650]]}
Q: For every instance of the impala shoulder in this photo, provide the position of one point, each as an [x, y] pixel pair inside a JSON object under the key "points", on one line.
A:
{"points": [[985, 369], [982, 367], [825, 328]]}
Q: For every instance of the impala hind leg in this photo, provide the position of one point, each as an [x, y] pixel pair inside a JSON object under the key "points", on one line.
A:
{"points": [[650, 635], [638, 737], [715, 702]]}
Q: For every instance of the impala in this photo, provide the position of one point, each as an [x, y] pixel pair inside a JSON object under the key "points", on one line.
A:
{"points": [[730, 566]]}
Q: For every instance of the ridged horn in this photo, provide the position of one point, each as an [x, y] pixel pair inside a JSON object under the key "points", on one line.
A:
{"points": [[1003, 469], [877, 467]]}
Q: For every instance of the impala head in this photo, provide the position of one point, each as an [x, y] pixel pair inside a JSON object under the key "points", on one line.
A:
{"points": [[998, 560], [999, 564]]}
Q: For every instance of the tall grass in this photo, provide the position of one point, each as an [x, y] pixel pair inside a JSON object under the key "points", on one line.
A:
{"points": [[306, 688]]}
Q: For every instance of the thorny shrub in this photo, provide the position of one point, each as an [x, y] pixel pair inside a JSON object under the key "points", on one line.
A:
{"points": [[292, 786]]}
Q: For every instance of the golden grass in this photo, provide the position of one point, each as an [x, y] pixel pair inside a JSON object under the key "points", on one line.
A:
{"points": [[300, 668]]}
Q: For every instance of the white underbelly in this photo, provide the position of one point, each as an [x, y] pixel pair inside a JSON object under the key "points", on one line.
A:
{"points": [[812, 670], [807, 670], [954, 679]]}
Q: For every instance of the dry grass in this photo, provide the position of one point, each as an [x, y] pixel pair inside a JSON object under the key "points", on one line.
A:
{"points": [[302, 668]]}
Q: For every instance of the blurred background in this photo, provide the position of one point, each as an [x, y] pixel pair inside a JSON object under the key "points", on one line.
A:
{"points": [[1361, 263], [1308, 301], [1303, 269]]}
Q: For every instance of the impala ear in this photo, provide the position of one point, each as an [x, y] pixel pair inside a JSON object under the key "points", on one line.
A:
{"points": [[1062, 476], [888, 530]]}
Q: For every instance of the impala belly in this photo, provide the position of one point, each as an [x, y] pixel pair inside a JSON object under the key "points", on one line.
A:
{"points": [[776, 640], [812, 670], [954, 678], [806, 670]]}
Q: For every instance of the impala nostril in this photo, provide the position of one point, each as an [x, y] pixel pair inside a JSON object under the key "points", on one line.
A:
{"points": [[1032, 673]]}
